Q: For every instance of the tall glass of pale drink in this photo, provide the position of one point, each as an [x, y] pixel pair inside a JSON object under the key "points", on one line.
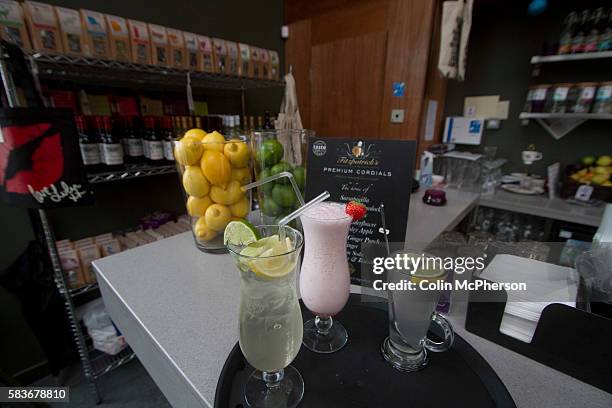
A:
{"points": [[324, 276]]}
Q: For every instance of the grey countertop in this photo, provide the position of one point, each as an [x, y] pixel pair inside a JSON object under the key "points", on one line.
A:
{"points": [[178, 308], [540, 205]]}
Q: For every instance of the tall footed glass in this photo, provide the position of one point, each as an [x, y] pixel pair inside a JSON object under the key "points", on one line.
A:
{"points": [[270, 317], [324, 277]]}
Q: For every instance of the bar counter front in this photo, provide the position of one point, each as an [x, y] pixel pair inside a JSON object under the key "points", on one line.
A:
{"points": [[178, 309]]}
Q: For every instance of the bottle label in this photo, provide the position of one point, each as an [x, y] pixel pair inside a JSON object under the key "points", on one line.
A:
{"points": [[605, 41], [101, 152], [168, 151], [90, 153], [578, 43], [560, 94], [587, 93], [565, 43], [134, 147], [145, 148], [156, 150], [113, 154], [604, 92], [591, 41], [539, 94]]}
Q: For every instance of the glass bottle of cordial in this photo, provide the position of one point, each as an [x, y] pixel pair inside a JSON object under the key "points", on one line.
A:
{"points": [[168, 139], [133, 140], [111, 144], [88, 144], [154, 141]]}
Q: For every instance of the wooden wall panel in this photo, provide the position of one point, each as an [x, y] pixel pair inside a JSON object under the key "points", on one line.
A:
{"points": [[361, 18], [298, 54], [409, 24], [369, 78]]}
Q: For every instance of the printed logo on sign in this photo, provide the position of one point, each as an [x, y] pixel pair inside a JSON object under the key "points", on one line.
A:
{"points": [[474, 126], [319, 148]]}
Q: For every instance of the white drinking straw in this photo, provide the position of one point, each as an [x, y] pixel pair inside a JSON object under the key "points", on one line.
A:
{"points": [[318, 199], [262, 181]]}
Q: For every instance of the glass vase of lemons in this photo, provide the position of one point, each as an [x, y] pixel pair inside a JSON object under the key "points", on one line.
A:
{"points": [[212, 170]]}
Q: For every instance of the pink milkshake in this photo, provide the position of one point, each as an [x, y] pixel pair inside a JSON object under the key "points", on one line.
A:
{"points": [[324, 277]]}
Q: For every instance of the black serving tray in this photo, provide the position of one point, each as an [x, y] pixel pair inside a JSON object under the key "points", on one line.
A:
{"points": [[357, 376]]}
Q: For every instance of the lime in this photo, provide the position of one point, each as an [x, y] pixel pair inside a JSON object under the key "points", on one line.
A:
{"points": [[283, 195], [269, 207], [299, 174], [279, 168], [258, 247], [240, 233], [267, 188], [270, 152]]}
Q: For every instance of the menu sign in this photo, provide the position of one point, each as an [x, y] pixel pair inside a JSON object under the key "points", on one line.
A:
{"points": [[374, 172]]}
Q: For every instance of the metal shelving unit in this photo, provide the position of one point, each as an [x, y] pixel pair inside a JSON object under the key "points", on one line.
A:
{"points": [[130, 172], [542, 59], [580, 116], [89, 71]]}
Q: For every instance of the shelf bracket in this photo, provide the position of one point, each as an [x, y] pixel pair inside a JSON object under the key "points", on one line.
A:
{"points": [[558, 128]]}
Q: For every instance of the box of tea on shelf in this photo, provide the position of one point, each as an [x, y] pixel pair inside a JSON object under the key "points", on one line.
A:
{"points": [[206, 53], [44, 30], [264, 58], [244, 64], [177, 48], [220, 55], [71, 31], [119, 38], [96, 34], [12, 24], [274, 65], [141, 44], [192, 52], [232, 58], [160, 54], [255, 62]]}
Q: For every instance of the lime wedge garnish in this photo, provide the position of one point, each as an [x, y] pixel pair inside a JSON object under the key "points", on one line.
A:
{"points": [[258, 247], [240, 233]]}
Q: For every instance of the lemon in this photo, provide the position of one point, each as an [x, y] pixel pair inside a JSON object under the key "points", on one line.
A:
{"points": [[197, 134], [196, 206], [217, 216], [241, 208], [275, 262], [258, 247], [214, 141], [243, 175], [188, 151], [202, 231], [194, 182], [227, 196], [216, 167], [237, 153]]}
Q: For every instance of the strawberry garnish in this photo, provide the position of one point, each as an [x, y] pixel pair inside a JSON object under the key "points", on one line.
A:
{"points": [[356, 210]]}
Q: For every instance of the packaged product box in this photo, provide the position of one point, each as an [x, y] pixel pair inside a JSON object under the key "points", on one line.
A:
{"points": [[160, 54], [149, 106], [88, 254], [84, 242], [63, 243], [136, 238], [69, 259], [274, 65], [153, 233], [125, 105], [96, 34], [206, 53], [109, 247], [103, 237], [220, 55], [119, 38], [178, 54], [44, 30], [244, 64], [232, 58], [12, 24], [140, 42], [71, 31], [193, 52], [255, 62], [127, 243], [264, 58], [145, 237], [62, 99]]}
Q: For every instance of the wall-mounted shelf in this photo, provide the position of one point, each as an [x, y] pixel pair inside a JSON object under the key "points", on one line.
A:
{"points": [[130, 172], [541, 59], [560, 124], [59, 66]]}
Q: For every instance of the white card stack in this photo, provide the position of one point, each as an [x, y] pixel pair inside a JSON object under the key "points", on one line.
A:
{"points": [[604, 232], [546, 284]]}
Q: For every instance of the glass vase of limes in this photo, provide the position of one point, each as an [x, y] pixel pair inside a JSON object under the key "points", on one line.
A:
{"points": [[274, 152], [212, 171]]}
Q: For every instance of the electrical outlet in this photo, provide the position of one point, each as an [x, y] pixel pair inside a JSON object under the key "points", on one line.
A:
{"points": [[397, 116]]}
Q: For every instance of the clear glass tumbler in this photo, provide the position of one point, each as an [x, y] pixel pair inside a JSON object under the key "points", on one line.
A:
{"points": [[324, 277], [270, 319]]}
